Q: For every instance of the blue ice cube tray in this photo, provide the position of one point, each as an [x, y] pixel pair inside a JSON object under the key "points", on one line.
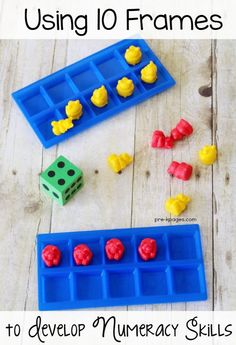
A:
{"points": [[44, 101], [175, 275]]}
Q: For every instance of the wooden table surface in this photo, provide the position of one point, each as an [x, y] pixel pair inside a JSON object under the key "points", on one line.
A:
{"points": [[205, 94]]}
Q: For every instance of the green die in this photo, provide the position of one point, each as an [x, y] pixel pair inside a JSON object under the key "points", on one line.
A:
{"points": [[61, 180]]}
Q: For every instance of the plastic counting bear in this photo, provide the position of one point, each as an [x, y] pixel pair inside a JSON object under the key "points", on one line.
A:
{"points": [[175, 274], [44, 101], [61, 180]]}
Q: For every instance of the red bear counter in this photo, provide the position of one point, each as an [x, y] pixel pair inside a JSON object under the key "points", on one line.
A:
{"points": [[114, 249], [183, 129], [51, 256], [82, 255], [182, 171], [159, 140], [147, 249]]}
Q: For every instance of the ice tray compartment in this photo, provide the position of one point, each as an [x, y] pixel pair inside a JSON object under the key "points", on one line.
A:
{"points": [[34, 102], [154, 281], [57, 288], [110, 66], [88, 285]]}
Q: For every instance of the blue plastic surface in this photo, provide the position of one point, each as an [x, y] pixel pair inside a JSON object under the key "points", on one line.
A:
{"points": [[45, 100], [175, 275]]}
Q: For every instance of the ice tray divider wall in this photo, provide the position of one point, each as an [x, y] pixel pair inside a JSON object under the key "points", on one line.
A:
{"points": [[105, 288], [182, 263], [90, 110], [166, 242], [114, 96], [121, 59], [72, 280], [97, 72], [45, 271], [140, 85], [72, 84], [152, 263], [137, 282], [59, 115], [42, 116], [71, 249], [102, 244], [169, 278], [168, 266], [202, 281], [46, 96], [197, 237], [136, 255], [72, 287]]}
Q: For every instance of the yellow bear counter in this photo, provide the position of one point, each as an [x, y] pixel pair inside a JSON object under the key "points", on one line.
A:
{"points": [[100, 97], [125, 87], [74, 109], [61, 126], [133, 55], [207, 154], [149, 73], [175, 206], [119, 162]]}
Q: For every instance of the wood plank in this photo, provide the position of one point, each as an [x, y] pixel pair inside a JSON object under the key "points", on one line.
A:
{"points": [[190, 64], [23, 212], [224, 171], [57, 61]]}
